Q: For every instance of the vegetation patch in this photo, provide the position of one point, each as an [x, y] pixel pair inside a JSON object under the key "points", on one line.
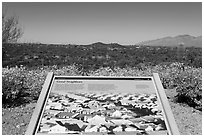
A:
{"points": [[23, 85]]}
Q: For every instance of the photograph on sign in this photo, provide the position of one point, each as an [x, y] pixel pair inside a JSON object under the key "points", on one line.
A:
{"points": [[103, 106]]}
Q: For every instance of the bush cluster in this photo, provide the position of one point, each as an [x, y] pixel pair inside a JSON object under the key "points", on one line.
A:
{"points": [[22, 84], [189, 89], [14, 85]]}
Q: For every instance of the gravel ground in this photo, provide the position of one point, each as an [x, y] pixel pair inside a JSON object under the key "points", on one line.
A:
{"points": [[189, 120]]}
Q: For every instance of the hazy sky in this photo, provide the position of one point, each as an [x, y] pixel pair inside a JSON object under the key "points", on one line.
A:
{"points": [[123, 23]]}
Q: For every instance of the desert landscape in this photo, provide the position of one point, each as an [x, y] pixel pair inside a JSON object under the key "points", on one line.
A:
{"points": [[116, 39]]}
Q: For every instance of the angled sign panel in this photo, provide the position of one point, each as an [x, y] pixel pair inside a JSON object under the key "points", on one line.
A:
{"points": [[102, 105]]}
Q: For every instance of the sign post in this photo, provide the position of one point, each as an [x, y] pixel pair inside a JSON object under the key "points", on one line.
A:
{"points": [[102, 105]]}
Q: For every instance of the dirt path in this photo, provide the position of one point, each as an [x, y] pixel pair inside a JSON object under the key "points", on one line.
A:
{"points": [[189, 120]]}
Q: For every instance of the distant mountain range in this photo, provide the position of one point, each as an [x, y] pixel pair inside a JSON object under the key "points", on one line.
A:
{"points": [[100, 44], [187, 40]]}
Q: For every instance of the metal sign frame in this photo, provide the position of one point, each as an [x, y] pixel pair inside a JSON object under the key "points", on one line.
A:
{"points": [[37, 114]]}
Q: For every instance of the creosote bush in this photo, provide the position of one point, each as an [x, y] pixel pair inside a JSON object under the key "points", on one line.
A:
{"points": [[14, 86], [190, 90]]}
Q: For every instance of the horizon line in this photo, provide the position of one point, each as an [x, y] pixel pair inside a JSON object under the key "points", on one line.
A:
{"points": [[66, 43]]}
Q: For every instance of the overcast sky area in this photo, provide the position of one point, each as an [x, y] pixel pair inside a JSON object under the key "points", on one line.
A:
{"points": [[123, 23]]}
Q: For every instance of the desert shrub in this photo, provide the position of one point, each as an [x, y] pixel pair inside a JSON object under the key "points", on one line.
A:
{"points": [[176, 74], [20, 85], [189, 90], [20, 82], [14, 87], [187, 81]]}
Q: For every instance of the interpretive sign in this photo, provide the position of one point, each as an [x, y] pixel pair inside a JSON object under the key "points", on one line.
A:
{"points": [[102, 105]]}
